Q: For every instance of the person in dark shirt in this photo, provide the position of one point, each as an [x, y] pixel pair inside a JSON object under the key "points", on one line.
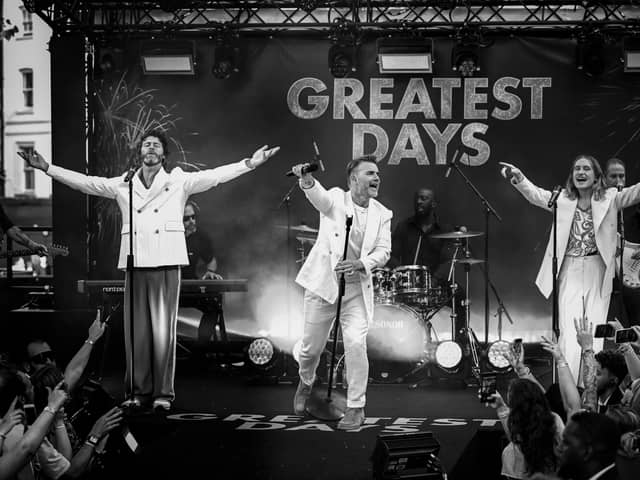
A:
{"points": [[17, 235], [203, 266], [412, 244], [625, 301]]}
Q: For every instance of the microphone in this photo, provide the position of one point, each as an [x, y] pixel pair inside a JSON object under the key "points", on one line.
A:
{"points": [[130, 174], [619, 186], [316, 157], [451, 164], [308, 168], [554, 196]]}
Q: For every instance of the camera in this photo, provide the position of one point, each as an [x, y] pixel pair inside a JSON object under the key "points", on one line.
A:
{"points": [[488, 387], [604, 330]]}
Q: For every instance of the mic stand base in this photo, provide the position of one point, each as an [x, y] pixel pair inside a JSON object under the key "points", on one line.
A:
{"points": [[325, 408]]}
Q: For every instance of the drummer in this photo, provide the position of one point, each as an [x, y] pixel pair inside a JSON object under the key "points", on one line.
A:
{"points": [[412, 244]]}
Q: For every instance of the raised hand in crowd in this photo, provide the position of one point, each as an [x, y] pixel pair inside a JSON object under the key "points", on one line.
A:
{"points": [[568, 389], [13, 417], [584, 333], [107, 422]]}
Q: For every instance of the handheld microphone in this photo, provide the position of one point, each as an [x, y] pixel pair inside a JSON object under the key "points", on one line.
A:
{"points": [[308, 168], [451, 164], [619, 186], [554, 196], [316, 157], [130, 174]]}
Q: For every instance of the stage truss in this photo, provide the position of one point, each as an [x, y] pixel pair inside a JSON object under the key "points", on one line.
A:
{"points": [[171, 17]]}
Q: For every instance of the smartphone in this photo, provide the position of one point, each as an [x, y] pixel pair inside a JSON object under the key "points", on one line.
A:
{"points": [[130, 440], [29, 413], [604, 330], [517, 347], [626, 335], [488, 386]]}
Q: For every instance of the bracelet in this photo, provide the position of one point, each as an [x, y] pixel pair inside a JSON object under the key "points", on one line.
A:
{"points": [[49, 410], [247, 162], [91, 444], [89, 341], [563, 364], [305, 186], [590, 349], [3, 436], [523, 371], [61, 426]]}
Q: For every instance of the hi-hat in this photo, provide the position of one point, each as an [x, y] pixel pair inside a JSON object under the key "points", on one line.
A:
{"points": [[456, 234], [300, 228], [309, 240], [468, 261]]}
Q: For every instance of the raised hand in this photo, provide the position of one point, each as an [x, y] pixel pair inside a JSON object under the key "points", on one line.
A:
{"points": [[553, 348], [107, 422], [496, 401], [584, 332], [97, 328], [261, 155], [515, 171], [58, 396], [34, 160], [12, 418]]}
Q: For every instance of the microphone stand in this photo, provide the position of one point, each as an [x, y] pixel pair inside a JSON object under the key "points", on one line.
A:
{"points": [[130, 272], [326, 409], [622, 241], [555, 321], [488, 211], [286, 201]]}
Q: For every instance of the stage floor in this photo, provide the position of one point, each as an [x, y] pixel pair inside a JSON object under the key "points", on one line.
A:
{"points": [[229, 427]]}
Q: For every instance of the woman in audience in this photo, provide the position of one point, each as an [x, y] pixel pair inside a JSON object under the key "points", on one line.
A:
{"points": [[534, 431]]}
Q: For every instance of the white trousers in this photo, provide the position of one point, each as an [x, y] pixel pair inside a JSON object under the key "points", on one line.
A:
{"points": [[579, 289], [318, 320]]}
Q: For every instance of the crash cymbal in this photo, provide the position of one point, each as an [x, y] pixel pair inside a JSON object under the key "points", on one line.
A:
{"points": [[468, 261], [299, 228], [457, 234]]}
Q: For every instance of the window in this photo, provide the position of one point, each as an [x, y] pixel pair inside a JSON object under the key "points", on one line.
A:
{"points": [[27, 87], [29, 173], [27, 22]]}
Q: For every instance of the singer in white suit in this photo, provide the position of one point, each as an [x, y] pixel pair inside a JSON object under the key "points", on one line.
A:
{"points": [[586, 248], [369, 246], [159, 250]]}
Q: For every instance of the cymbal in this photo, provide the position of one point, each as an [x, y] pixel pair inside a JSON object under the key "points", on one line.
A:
{"points": [[309, 240], [456, 235], [468, 261], [300, 228]]}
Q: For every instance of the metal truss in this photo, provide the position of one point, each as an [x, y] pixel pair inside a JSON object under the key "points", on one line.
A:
{"points": [[266, 17]]}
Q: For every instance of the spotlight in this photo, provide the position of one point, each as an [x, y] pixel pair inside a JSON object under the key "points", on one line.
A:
{"points": [[590, 53], [342, 60], [168, 57], [631, 51], [464, 60], [225, 61], [448, 355], [496, 355], [309, 5], [261, 353], [405, 55]]}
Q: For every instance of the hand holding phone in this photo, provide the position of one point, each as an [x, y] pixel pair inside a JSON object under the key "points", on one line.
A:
{"points": [[626, 335], [488, 387]]}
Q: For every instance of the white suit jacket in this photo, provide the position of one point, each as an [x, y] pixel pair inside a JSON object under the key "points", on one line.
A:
{"points": [[158, 229], [604, 213], [317, 274]]}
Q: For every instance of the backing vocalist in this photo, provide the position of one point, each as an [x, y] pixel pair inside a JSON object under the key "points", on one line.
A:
{"points": [[369, 246], [587, 212]]}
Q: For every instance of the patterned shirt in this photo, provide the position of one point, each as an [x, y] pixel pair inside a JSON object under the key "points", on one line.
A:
{"points": [[582, 238]]}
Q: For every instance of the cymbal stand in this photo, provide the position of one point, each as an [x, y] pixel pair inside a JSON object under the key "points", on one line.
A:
{"points": [[451, 279], [471, 336]]}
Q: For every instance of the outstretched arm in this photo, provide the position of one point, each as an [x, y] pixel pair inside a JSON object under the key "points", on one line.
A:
{"points": [[197, 182], [100, 186], [534, 194], [78, 363]]}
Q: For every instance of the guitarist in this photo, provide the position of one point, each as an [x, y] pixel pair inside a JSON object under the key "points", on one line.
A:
{"points": [[625, 301], [17, 235]]}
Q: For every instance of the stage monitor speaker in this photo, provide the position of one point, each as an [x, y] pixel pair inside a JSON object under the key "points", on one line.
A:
{"points": [[407, 455]]}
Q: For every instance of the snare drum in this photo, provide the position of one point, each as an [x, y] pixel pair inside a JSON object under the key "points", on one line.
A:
{"points": [[383, 288], [411, 283]]}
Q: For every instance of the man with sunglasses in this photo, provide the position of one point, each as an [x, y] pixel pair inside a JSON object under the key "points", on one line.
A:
{"points": [[202, 261]]}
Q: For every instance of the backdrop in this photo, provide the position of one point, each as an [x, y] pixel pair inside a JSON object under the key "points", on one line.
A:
{"points": [[529, 105]]}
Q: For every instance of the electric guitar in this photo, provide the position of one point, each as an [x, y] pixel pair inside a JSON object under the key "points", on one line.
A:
{"points": [[631, 267], [24, 252]]}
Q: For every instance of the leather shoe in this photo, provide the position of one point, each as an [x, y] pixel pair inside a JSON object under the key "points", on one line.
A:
{"points": [[352, 420], [300, 399], [161, 404]]}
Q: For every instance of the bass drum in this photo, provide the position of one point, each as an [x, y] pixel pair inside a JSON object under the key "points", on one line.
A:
{"points": [[399, 342]]}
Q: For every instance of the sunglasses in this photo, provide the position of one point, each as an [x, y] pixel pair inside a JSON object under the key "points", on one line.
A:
{"points": [[186, 218], [43, 357]]}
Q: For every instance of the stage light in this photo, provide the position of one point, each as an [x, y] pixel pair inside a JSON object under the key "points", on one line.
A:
{"points": [[407, 455], [168, 58], [261, 352], [342, 60], [309, 5], [631, 54], [496, 354], [448, 355], [464, 60], [405, 55], [590, 53], [225, 61]]}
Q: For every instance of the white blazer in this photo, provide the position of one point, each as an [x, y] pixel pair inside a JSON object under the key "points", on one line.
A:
{"points": [[158, 229], [317, 274], [604, 213]]}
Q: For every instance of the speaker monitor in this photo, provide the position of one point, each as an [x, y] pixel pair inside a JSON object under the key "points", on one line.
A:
{"points": [[407, 455]]}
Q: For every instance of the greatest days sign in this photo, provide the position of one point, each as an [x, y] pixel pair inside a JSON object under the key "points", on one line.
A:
{"points": [[503, 100]]}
